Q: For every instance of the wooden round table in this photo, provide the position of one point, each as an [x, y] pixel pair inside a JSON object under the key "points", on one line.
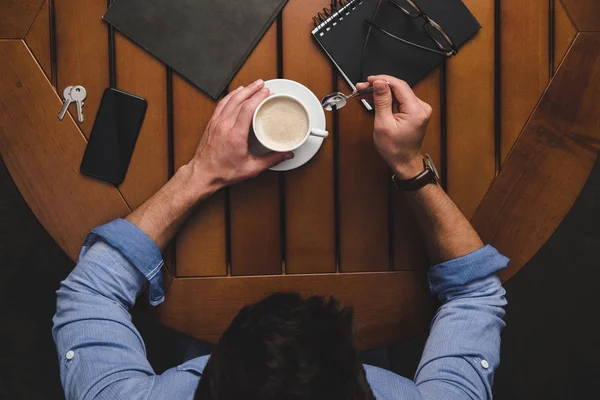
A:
{"points": [[335, 226]]}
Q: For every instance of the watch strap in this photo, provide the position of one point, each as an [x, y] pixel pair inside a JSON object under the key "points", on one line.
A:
{"points": [[423, 179]]}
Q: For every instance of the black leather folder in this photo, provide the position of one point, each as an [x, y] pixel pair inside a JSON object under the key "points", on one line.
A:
{"points": [[205, 41]]}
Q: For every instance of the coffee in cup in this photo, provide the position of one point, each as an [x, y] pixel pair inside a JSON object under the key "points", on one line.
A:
{"points": [[282, 123]]}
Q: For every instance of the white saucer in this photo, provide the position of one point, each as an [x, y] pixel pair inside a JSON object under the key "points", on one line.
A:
{"points": [[308, 150]]}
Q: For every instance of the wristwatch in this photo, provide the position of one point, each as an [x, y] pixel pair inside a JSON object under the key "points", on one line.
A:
{"points": [[429, 175]]}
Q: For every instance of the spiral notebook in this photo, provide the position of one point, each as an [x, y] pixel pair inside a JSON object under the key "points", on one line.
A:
{"points": [[341, 32]]}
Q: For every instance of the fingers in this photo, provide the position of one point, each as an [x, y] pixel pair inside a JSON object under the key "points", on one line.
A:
{"points": [[244, 118], [260, 164], [383, 99], [231, 109], [221, 104], [409, 102], [363, 86]]}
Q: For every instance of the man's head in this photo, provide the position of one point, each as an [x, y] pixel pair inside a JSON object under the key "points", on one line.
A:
{"points": [[286, 347]]}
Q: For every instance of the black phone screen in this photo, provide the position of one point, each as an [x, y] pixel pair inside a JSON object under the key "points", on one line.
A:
{"points": [[116, 129]]}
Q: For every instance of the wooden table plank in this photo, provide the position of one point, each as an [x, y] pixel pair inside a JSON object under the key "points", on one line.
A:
{"points": [[38, 39], [550, 162], [82, 52], [525, 63], [363, 192], [201, 244], [309, 190], [470, 107], [255, 205], [397, 311], [428, 90], [17, 16], [409, 251], [584, 14], [139, 73], [564, 33], [43, 154]]}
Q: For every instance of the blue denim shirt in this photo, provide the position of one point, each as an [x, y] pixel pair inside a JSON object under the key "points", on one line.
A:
{"points": [[102, 355]]}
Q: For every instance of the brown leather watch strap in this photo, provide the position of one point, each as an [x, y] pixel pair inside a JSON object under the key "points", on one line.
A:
{"points": [[429, 175], [423, 179]]}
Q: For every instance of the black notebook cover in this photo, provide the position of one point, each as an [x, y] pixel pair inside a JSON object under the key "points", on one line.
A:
{"points": [[342, 37], [206, 41]]}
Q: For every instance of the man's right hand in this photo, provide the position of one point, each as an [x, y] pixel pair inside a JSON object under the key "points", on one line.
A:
{"points": [[398, 136], [222, 154]]}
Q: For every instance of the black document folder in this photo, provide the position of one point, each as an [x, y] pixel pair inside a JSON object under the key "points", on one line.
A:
{"points": [[206, 41]]}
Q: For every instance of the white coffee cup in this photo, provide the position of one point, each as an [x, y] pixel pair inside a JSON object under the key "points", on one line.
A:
{"points": [[310, 131]]}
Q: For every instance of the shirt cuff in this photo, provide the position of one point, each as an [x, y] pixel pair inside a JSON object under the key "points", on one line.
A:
{"points": [[138, 249], [464, 270]]}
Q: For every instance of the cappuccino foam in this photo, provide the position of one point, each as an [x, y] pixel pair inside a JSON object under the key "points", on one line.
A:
{"points": [[281, 124]]}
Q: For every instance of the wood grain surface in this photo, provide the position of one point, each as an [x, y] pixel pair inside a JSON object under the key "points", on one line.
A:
{"points": [[43, 154], [287, 222], [396, 312], [141, 74], [429, 90], [470, 111], [525, 63], [255, 205], [309, 190], [564, 33], [17, 16], [82, 53], [167, 277], [550, 162], [201, 244], [584, 13], [38, 39], [363, 192]]}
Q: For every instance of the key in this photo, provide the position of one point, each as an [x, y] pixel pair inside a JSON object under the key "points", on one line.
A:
{"points": [[66, 102], [78, 94]]}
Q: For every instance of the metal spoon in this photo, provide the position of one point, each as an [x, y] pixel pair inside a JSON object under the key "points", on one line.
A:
{"points": [[339, 99]]}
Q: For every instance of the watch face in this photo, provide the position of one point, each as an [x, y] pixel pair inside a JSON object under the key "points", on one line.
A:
{"points": [[431, 166]]}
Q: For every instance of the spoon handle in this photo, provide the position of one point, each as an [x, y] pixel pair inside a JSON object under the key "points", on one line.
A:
{"points": [[361, 92]]}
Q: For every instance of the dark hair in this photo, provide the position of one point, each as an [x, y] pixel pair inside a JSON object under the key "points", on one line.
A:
{"points": [[287, 347]]}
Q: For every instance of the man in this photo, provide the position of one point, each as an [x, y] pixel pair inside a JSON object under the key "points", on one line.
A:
{"points": [[283, 347]]}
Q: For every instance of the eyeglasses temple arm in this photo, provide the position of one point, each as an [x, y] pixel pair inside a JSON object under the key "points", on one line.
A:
{"points": [[438, 52]]}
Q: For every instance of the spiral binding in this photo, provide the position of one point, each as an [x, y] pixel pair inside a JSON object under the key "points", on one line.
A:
{"points": [[333, 14]]}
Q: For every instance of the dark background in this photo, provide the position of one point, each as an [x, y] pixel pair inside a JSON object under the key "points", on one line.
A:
{"points": [[549, 348]]}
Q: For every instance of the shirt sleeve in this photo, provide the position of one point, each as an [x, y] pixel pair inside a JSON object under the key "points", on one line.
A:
{"points": [[99, 349], [463, 348]]}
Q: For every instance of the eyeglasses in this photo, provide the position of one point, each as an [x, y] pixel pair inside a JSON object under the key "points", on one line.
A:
{"points": [[446, 46]]}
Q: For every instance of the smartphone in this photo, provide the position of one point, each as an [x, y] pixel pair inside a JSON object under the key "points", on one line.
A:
{"points": [[116, 129]]}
